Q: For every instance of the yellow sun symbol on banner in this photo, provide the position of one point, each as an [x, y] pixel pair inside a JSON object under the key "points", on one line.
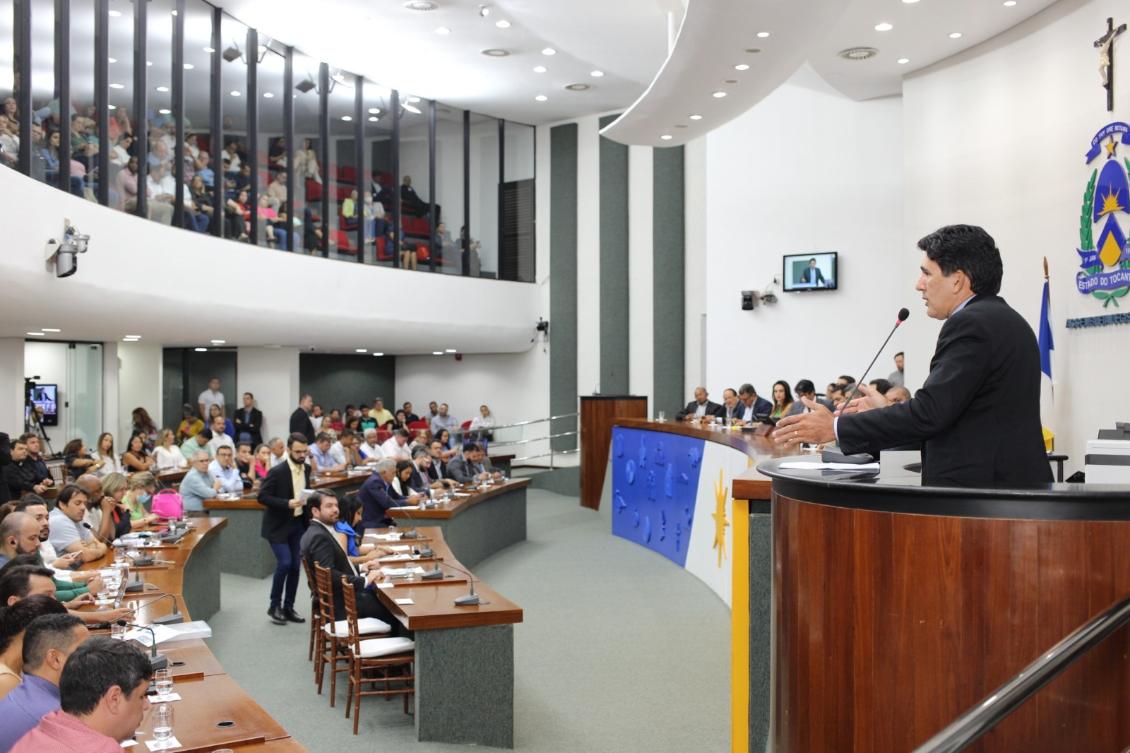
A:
{"points": [[721, 492]]}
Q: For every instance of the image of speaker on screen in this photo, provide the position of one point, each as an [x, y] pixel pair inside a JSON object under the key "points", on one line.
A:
{"points": [[810, 271]]}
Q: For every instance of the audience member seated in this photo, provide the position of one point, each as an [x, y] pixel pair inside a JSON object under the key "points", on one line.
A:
{"points": [[244, 464], [422, 438], [284, 521], [422, 479], [897, 395], [114, 488], [67, 534], [190, 424], [473, 466], [882, 386], [105, 456], [135, 458], [167, 455], [220, 438], [14, 620], [444, 438], [142, 486], [806, 389], [236, 213], [19, 534], [400, 490], [216, 410], [400, 419], [408, 414], [102, 699], [370, 449], [320, 545], [381, 414], [69, 584], [753, 408], [22, 474], [782, 400], [224, 472], [396, 446], [143, 424], [38, 463], [323, 460], [410, 202], [198, 485], [76, 459], [48, 641], [442, 420], [346, 529], [375, 497], [731, 409], [437, 470], [198, 207], [260, 465], [346, 447], [484, 422], [199, 442], [699, 408], [277, 448]]}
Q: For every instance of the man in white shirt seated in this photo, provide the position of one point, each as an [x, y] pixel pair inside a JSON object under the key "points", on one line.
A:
{"points": [[219, 438], [66, 531], [396, 446], [443, 420], [224, 470], [370, 450], [278, 451], [198, 485], [322, 456], [345, 449]]}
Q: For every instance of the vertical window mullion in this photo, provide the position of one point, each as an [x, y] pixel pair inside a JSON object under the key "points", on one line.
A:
{"points": [[63, 88], [432, 217], [465, 241], [23, 67], [102, 95], [177, 107], [324, 151], [253, 129], [288, 137], [358, 160], [141, 105], [216, 124], [394, 166]]}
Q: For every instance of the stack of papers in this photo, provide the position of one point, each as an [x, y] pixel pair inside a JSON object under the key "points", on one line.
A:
{"points": [[170, 633], [816, 465], [401, 572], [383, 536]]}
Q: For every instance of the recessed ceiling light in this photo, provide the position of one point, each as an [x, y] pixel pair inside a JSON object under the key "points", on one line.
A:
{"points": [[413, 100], [421, 5], [217, 342], [495, 52], [174, 12], [903, 61], [347, 118], [718, 95], [162, 88], [378, 354], [412, 109], [117, 86], [910, 2], [235, 93], [549, 51], [112, 60], [696, 117], [680, 125], [741, 67], [373, 118], [955, 35], [451, 350], [1009, 3], [730, 81], [374, 111], [541, 98], [164, 111], [360, 350], [209, 50], [443, 31], [149, 62], [268, 95], [762, 35], [858, 53], [35, 334], [540, 69], [111, 107], [201, 350], [753, 50], [596, 74], [134, 337], [189, 66], [484, 11], [502, 23], [115, 13], [884, 26], [577, 87], [50, 329], [666, 137], [437, 352]]}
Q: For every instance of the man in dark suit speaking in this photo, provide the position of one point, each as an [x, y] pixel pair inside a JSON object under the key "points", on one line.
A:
{"points": [[812, 274], [978, 414]]}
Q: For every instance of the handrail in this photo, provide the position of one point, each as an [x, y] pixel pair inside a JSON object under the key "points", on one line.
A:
{"points": [[521, 423], [992, 710], [500, 443]]}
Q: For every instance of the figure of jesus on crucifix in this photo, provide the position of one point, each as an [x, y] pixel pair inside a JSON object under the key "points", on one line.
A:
{"points": [[1105, 46]]}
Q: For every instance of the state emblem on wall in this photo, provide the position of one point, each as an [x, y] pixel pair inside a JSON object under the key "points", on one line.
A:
{"points": [[1104, 222]]}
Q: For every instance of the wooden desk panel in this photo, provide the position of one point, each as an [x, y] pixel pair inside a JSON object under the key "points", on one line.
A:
{"points": [[598, 414], [447, 510]]}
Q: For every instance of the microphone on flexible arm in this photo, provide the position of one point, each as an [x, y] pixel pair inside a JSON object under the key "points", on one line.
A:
{"points": [[173, 617], [96, 535], [156, 660], [835, 456], [469, 599], [427, 550]]}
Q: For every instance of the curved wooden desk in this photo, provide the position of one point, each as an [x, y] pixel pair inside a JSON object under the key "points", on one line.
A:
{"points": [[479, 524], [214, 711], [464, 655], [899, 606]]}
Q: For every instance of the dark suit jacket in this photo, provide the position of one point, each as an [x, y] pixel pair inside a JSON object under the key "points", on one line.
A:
{"points": [[420, 481], [318, 545], [728, 418], [812, 275], [761, 407], [460, 470], [436, 471], [978, 414], [375, 501], [253, 426], [692, 406], [300, 423], [275, 494], [5, 459]]}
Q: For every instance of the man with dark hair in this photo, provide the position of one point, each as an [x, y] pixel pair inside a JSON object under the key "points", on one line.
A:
{"points": [[21, 581], [322, 459], [752, 408], [248, 422], [200, 441], [978, 414], [13, 622], [102, 695], [284, 521], [35, 457], [19, 534], [21, 475], [396, 446], [731, 408], [472, 466], [812, 274], [300, 422], [409, 416], [879, 385], [48, 641], [897, 377], [805, 388]]}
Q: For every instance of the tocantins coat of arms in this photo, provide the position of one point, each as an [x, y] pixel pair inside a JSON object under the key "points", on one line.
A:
{"points": [[1103, 248]]}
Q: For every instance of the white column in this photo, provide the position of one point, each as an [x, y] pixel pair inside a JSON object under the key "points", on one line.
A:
{"points": [[641, 291], [12, 385], [588, 255], [695, 269], [271, 375], [111, 395], [139, 384]]}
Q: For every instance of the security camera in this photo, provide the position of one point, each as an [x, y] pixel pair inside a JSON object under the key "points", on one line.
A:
{"points": [[750, 299], [63, 255]]}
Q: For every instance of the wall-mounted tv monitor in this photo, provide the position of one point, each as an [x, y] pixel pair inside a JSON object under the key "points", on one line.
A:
{"points": [[819, 271], [46, 398]]}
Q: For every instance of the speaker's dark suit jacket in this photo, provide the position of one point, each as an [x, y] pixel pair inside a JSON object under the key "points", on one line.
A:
{"points": [[692, 406], [318, 545], [300, 423], [978, 414], [375, 502], [812, 275], [252, 424], [275, 494]]}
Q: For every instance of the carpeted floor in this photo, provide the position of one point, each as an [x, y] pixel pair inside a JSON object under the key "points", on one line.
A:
{"points": [[620, 650]]}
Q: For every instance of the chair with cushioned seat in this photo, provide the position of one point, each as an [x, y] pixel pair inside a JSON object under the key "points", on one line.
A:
{"points": [[333, 639]]}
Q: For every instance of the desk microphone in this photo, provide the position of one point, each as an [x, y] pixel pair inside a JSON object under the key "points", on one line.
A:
{"points": [[469, 599], [411, 533], [173, 618], [156, 660], [834, 456], [104, 540], [427, 550]]}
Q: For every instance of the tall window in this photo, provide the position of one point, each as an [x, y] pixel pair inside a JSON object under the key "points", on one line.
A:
{"points": [[341, 173], [84, 115], [483, 219], [449, 190], [308, 182], [415, 189], [161, 186], [273, 199], [235, 162], [9, 109], [44, 101], [380, 183], [516, 245], [123, 150], [200, 170]]}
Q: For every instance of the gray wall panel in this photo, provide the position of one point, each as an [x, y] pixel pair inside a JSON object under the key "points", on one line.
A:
{"points": [[337, 380], [613, 200], [669, 252], [563, 278]]}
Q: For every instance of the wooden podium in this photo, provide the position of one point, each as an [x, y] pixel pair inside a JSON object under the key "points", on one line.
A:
{"points": [[598, 413]]}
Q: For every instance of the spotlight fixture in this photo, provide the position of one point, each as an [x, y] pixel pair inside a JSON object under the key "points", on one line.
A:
{"points": [[437, 352], [541, 98], [884, 26], [378, 354], [741, 67], [235, 92], [696, 117], [268, 95], [597, 74], [115, 14], [858, 53], [549, 51], [484, 11], [1007, 3], [421, 5], [218, 342], [666, 137], [718, 95], [62, 255], [955, 35], [360, 350], [540, 69], [189, 66], [495, 52], [52, 330], [762, 35], [162, 89], [903, 61], [450, 350], [347, 118], [201, 350], [374, 111], [373, 118], [232, 53], [305, 85], [577, 87], [502, 23]]}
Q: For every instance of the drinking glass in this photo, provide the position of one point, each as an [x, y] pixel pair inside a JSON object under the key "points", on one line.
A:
{"points": [[163, 722], [163, 682], [117, 632]]}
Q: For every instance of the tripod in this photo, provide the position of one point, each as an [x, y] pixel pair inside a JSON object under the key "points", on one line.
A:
{"points": [[33, 424]]}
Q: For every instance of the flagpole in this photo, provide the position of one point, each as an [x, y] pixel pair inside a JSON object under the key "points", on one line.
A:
{"points": [[1047, 281]]}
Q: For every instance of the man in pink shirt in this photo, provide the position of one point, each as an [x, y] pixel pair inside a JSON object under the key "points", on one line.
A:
{"points": [[102, 695]]}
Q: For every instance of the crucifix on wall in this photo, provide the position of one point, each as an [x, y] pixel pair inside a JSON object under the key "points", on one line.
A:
{"points": [[1105, 46]]}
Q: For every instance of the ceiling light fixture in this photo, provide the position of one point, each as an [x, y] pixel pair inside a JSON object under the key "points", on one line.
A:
{"points": [[218, 342], [762, 35], [696, 117], [164, 111], [903, 61], [115, 13], [451, 350], [35, 334], [268, 95], [666, 137], [421, 5], [117, 86], [495, 52], [360, 350], [577, 87], [189, 66], [955, 35], [112, 60], [540, 69], [753, 50], [741, 67], [50, 329], [201, 350], [437, 352], [910, 2], [209, 50], [412, 109], [549, 51], [414, 100], [148, 62], [235, 93], [378, 354], [884, 26], [1009, 3], [718, 95], [484, 11], [111, 107], [858, 53], [541, 98], [502, 23], [373, 118], [162, 88], [596, 74], [133, 337], [374, 111], [443, 31], [347, 118]]}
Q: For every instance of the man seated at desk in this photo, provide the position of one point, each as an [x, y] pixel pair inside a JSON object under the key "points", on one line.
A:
{"points": [[322, 456], [472, 467], [376, 498], [370, 449], [224, 471], [198, 485], [699, 408], [752, 407], [805, 388], [67, 533]]}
